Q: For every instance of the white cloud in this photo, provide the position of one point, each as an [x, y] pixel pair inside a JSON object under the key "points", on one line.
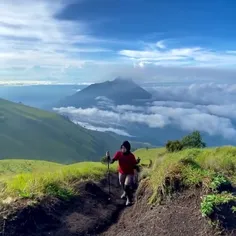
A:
{"points": [[37, 82], [205, 94], [95, 115], [195, 56], [153, 55], [123, 108], [210, 124], [160, 44], [31, 35], [158, 117], [228, 111], [172, 104], [184, 51], [103, 101], [102, 129], [141, 64]]}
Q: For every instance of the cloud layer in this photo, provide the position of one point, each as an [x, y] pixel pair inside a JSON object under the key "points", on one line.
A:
{"points": [[30, 34], [205, 107], [38, 45], [192, 56]]}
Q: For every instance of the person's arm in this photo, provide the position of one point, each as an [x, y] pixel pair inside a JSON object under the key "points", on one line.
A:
{"points": [[115, 158], [134, 161]]}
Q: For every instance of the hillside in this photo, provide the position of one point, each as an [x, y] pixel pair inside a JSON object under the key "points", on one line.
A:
{"points": [[118, 91], [29, 133], [190, 192]]}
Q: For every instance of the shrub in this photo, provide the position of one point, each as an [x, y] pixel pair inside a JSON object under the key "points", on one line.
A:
{"points": [[174, 146], [210, 202], [104, 160], [193, 140], [220, 184]]}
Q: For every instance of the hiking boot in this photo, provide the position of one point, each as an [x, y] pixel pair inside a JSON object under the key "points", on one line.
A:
{"points": [[123, 196]]}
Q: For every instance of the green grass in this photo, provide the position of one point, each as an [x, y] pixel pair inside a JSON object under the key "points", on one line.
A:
{"points": [[150, 154], [212, 170], [30, 133], [192, 167], [218, 181], [13, 167], [210, 202], [60, 181]]}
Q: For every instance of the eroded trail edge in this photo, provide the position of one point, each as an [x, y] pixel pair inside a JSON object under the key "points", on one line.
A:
{"points": [[89, 213]]}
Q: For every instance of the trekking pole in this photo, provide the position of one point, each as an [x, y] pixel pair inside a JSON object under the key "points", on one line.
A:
{"points": [[108, 174]]}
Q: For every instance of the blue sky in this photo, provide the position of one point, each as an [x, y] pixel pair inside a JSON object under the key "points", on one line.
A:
{"points": [[87, 40]]}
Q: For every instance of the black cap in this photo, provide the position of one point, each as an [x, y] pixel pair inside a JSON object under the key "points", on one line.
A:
{"points": [[127, 145]]}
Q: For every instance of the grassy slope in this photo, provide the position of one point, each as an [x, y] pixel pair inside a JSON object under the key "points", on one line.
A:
{"points": [[192, 167], [220, 160], [30, 133], [9, 168], [29, 179], [213, 169]]}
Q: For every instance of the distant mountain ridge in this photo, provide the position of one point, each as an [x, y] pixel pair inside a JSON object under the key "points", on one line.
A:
{"points": [[118, 91], [30, 133]]}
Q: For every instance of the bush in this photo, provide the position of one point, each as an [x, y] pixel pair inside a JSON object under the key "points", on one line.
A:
{"points": [[210, 202], [104, 160], [174, 146], [193, 140]]}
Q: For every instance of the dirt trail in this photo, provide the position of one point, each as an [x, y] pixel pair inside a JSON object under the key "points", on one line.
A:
{"points": [[181, 216]]}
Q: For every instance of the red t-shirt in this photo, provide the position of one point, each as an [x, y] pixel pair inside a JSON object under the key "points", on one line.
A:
{"points": [[126, 163]]}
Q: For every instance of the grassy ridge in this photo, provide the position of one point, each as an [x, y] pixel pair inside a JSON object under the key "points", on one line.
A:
{"points": [[212, 169], [30, 133], [192, 167], [15, 166], [150, 154], [9, 168], [30, 179], [218, 160], [56, 180]]}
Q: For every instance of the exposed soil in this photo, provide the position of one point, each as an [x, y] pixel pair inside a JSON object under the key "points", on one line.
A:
{"points": [[95, 212], [87, 214], [225, 217], [180, 216]]}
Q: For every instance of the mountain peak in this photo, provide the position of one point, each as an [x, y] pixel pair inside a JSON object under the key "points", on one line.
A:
{"points": [[121, 79], [119, 91]]}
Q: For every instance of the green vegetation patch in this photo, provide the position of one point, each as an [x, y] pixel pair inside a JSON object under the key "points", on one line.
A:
{"points": [[193, 167], [193, 140], [220, 183], [12, 167], [213, 201], [60, 183], [153, 154]]}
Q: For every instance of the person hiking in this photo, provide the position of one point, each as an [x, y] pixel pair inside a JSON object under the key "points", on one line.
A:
{"points": [[127, 164]]}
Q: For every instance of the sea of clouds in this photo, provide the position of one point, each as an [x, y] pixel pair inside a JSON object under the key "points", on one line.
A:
{"points": [[208, 107]]}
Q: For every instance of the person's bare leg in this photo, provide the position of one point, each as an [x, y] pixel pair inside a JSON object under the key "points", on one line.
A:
{"points": [[122, 178], [128, 189]]}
